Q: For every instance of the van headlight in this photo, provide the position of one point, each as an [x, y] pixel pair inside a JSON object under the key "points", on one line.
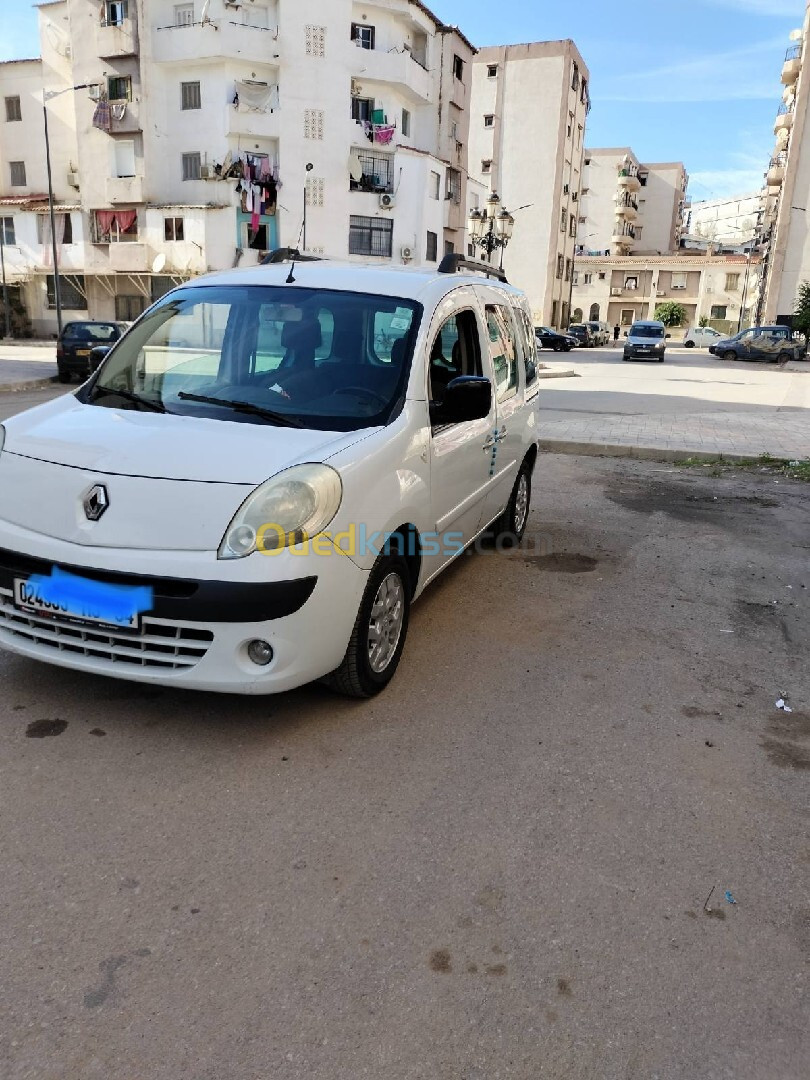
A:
{"points": [[285, 510]]}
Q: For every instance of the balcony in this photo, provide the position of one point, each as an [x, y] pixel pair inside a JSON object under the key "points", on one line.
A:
{"points": [[117, 39], [124, 189], [629, 181], [130, 258], [130, 122], [776, 173], [621, 238], [627, 208], [784, 119], [397, 69], [224, 39], [251, 124], [792, 65]]}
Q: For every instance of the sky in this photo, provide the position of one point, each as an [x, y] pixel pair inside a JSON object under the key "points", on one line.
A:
{"points": [[677, 80]]}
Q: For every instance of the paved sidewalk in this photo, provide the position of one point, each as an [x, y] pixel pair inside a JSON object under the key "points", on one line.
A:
{"points": [[26, 365]]}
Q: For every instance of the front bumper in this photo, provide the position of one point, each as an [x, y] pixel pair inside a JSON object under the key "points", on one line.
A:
{"points": [[203, 618], [648, 354]]}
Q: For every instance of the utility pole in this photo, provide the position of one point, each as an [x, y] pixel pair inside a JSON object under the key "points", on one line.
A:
{"points": [[6, 309]]}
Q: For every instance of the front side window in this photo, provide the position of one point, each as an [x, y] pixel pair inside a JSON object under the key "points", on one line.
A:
{"points": [[314, 358], [456, 350], [503, 350]]}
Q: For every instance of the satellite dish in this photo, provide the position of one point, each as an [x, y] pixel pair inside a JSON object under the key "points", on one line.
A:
{"points": [[159, 263], [796, 35]]}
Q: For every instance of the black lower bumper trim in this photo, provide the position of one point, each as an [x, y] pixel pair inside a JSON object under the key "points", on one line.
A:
{"points": [[183, 599]]}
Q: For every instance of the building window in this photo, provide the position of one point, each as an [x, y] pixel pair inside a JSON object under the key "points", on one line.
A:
{"points": [[453, 186], [732, 282], [563, 220], [190, 96], [362, 108], [72, 292], [124, 156], [631, 283], [64, 225], [602, 275], [173, 228], [718, 311], [583, 92], [588, 278], [554, 306], [572, 225], [114, 227], [560, 266], [458, 67], [470, 251], [575, 278], [567, 269], [486, 166], [7, 229], [370, 235], [377, 172], [492, 71], [432, 247], [575, 77], [115, 11], [363, 36], [119, 88], [628, 316], [449, 247], [678, 279], [406, 124], [489, 120], [191, 166], [17, 169], [579, 136], [128, 308], [183, 14], [435, 185], [13, 109], [642, 179]]}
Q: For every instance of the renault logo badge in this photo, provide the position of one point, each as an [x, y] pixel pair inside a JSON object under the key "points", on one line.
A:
{"points": [[95, 502]]}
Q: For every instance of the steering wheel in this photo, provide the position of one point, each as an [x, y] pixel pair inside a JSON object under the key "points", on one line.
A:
{"points": [[362, 390]]}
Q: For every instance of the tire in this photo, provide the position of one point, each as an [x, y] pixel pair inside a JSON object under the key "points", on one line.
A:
{"points": [[512, 522], [557, 347], [783, 358], [729, 354], [62, 375], [360, 675], [689, 344]]}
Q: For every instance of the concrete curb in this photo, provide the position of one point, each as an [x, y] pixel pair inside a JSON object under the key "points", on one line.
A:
{"points": [[569, 373], [27, 384], [640, 453]]}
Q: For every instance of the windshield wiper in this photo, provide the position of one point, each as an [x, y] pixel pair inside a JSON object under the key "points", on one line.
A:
{"points": [[130, 395], [282, 419]]}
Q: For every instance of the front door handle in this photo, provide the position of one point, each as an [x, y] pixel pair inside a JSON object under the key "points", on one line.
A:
{"points": [[490, 442], [500, 435]]}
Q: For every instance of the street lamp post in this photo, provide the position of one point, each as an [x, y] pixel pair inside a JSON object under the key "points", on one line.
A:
{"points": [[491, 228], [46, 97]]}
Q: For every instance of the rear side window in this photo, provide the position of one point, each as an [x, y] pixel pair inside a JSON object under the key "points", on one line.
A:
{"points": [[529, 344], [503, 350], [90, 332]]}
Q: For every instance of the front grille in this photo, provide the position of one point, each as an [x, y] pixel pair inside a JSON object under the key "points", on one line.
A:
{"points": [[156, 645]]}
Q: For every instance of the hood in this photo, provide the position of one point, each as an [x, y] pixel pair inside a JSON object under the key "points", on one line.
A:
{"points": [[161, 446]]}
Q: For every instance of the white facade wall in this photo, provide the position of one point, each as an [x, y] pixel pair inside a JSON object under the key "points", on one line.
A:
{"points": [[732, 221], [661, 214], [306, 49], [535, 144]]}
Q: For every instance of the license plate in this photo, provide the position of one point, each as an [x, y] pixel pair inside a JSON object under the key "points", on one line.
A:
{"points": [[82, 352], [28, 599]]}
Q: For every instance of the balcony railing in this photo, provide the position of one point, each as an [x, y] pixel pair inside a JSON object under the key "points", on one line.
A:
{"points": [[794, 53], [377, 173]]}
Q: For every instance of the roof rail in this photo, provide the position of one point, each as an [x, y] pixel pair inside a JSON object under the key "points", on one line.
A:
{"points": [[452, 263], [287, 254]]}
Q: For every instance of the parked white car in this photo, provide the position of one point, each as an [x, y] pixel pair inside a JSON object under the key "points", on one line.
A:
{"points": [[701, 336], [265, 472]]}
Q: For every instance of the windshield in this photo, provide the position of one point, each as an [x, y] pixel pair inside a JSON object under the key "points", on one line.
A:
{"points": [[647, 331], [270, 354]]}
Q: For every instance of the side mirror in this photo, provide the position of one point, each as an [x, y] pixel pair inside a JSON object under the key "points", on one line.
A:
{"points": [[97, 354], [625, 333], [667, 336], [467, 397]]}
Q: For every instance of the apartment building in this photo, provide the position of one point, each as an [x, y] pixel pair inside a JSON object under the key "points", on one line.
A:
{"points": [[621, 289], [784, 234], [528, 112], [207, 127], [630, 207], [725, 221]]}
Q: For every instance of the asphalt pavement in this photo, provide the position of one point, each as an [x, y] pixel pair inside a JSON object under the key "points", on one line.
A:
{"points": [[569, 842]]}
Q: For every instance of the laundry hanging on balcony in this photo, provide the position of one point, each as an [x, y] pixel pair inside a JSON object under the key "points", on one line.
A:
{"points": [[256, 97], [384, 133], [119, 110], [101, 117]]}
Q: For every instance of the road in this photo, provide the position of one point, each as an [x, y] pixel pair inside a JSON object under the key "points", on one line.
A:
{"points": [[514, 864]]}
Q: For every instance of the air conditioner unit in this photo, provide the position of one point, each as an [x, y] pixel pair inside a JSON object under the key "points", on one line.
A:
{"points": [[388, 202], [406, 253], [73, 179], [207, 172], [94, 90], [615, 292]]}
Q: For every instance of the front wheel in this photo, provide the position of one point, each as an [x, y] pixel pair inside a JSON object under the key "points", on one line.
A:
{"points": [[689, 344], [378, 637], [62, 375], [557, 347], [729, 355], [783, 358], [512, 522]]}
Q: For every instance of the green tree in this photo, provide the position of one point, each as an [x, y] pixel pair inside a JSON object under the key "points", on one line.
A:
{"points": [[703, 320], [670, 313], [801, 311]]}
